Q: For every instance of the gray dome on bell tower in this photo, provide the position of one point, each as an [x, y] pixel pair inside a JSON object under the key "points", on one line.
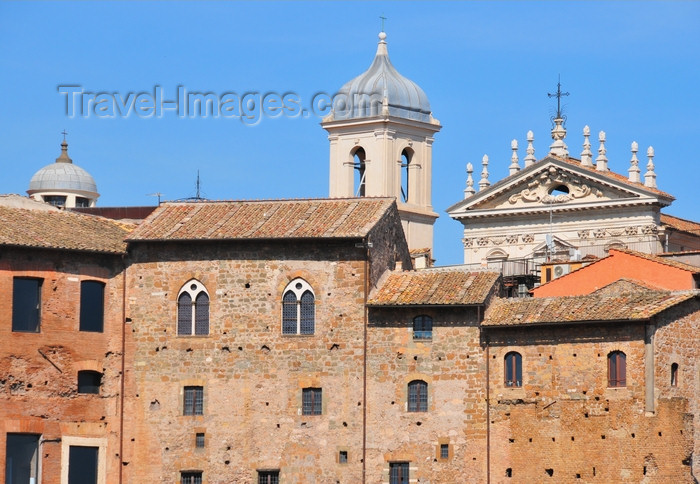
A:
{"points": [[381, 90], [64, 184]]}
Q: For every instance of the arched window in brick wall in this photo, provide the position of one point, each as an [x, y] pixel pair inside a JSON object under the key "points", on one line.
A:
{"points": [[193, 309], [298, 308], [617, 369], [513, 371], [674, 374]]}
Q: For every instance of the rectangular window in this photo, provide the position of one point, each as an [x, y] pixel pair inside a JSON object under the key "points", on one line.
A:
{"points": [[191, 477], [311, 401], [26, 304], [82, 464], [89, 381], [92, 302], [398, 472], [269, 477], [444, 451], [199, 440], [194, 401], [22, 459], [343, 457]]}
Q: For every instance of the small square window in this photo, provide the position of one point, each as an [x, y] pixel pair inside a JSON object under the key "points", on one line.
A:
{"points": [[269, 477], [444, 451], [311, 399], [191, 477], [343, 457], [89, 381], [199, 440]]}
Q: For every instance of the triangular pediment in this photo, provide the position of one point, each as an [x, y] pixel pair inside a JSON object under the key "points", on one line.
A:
{"points": [[553, 182]]}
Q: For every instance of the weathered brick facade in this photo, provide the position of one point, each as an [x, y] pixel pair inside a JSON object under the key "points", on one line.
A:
{"points": [[563, 424]]}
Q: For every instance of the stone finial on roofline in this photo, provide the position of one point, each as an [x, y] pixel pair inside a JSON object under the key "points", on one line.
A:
{"points": [[586, 154], [634, 164], [514, 166], [650, 175], [559, 148], [530, 158], [469, 191], [484, 182], [601, 162]]}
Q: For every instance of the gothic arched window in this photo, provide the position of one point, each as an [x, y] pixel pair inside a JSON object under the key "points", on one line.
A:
{"points": [[298, 308], [193, 309], [617, 369], [513, 371]]}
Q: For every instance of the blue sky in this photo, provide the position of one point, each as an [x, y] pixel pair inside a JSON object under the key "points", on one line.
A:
{"points": [[632, 69]]}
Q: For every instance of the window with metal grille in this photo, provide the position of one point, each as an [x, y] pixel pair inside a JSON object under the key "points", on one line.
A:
{"points": [[92, 306], [298, 308], [193, 309], [513, 371], [674, 374], [311, 401], [343, 457], [269, 477], [418, 396], [398, 472], [444, 451], [89, 381], [617, 369], [199, 439], [193, 401], [191, 477], [422, 327], [26, 304]]}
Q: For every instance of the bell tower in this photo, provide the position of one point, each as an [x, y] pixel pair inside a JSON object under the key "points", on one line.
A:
{"points": [[381, 133]]}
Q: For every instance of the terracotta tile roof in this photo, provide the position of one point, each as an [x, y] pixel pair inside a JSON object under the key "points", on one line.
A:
{"points": [[439, 286], [661, 260], [680, 224], [58, 229], [596, 307], [263, 219], [624, 284]]}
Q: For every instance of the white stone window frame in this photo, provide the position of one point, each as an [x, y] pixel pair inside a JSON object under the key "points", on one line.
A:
{"points": [[193, 293], [298, 292], [100, 442]]}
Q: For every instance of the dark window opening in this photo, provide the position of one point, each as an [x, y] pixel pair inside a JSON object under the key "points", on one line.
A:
{"points": [[193, 401], [398, 472], [617, 369], [417, 396], [343, 457], [191, 477], [509, 472], [92, 301], [89, 381], [444, 451], [513, 369], [22, 459], [406, 156], [82, 202], [268, 477], [359, 158], [422, 327], [56, 200], [201, 314], [674, 375], [82, 464], [26, 304], [199, 440], [311, 401]]}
